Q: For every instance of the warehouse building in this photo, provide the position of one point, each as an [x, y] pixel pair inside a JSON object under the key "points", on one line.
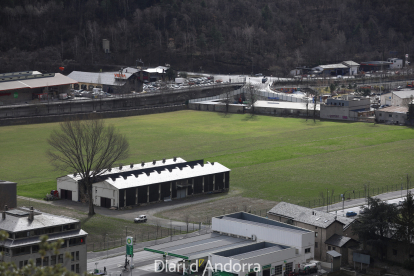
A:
{"points": [[392, 115], [345, 108], [155, 181], [29, 85], [240, 239]]}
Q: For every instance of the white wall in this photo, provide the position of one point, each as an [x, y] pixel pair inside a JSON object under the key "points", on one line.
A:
{"points": [[69, 184], [103, 189], [283, 236]]}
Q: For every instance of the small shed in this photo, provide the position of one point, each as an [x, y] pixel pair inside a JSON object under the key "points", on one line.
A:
{"points": [[335, 259]]}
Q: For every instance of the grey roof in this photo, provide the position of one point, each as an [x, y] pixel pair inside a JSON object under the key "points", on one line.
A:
{"points": [[350, 63], [252, 250], [337, 240], [260, 221], [167, 175], [57, 79], [6, 182], [394, 109], [333, 66], [404, 94], [106, 78], [308, 216], [17, 223], [334, 254], [199, 246], [51, 237]]}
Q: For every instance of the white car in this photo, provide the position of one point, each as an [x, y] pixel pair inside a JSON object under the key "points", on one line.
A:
{"points": [[141, 218]]}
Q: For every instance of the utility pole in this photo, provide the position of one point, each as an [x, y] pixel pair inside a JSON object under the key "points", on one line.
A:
{"points": [[327, 203]]}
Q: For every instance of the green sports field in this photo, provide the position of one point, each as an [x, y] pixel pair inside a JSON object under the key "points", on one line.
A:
{"points": [[270, 157]]}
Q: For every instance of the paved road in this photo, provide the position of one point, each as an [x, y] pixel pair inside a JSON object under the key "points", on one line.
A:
{"points": [[348, 204]]}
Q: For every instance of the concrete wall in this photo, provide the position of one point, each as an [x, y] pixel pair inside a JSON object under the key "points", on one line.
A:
{"points": [[335, 112]]}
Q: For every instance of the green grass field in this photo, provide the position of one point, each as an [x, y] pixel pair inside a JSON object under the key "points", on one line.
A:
{"points": [[270, 157]]}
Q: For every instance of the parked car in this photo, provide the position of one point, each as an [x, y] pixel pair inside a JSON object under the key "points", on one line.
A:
{"points": [[141, 218], [259, 75], [400, 203], [351, 214]]}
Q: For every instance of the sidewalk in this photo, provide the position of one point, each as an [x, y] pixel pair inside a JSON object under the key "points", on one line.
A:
{"points": [[362, 201], [95, 256]]}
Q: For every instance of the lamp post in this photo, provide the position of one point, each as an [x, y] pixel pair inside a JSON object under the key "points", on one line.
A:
{"points": [[327, 203]]}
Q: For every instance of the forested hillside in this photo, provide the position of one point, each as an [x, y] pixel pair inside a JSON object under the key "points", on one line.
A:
{"points": [[223, 36]]}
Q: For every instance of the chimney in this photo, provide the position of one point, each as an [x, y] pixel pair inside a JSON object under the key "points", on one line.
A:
{"points": [[175, 159], [131, 166], [142, 164], [163, 160], [74, 174], [120, 167], [212, 163], [31, 214], [154, 161]]}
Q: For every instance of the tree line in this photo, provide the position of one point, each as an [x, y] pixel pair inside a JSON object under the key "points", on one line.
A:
{"points": [[226, 36]]}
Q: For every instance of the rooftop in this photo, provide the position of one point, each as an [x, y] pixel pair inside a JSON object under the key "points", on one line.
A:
{"points": [[337, 240], [18, 220], [350, 63], [251, 250], [286, 105], [105, 78], [308, 216], [165, 175], [404, 94], [333, 66], [375, 63], [6, 182], [395, 109], [260, 221], [199, 246], [33, 79]]}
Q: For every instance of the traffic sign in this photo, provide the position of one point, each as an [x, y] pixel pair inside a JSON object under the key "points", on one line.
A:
{"points": [[130, 246]]}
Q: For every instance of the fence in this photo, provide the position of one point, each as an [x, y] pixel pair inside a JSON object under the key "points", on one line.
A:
{"points": [[353, 194], [156, 236], [267, 95]]}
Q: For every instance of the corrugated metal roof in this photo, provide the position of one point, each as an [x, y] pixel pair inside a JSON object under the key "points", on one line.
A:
{"points": [[166, 175], [41, 220], [334, 254], [307, 215], [252, 250], [286, 105], [200, 246], [51, 237], [106, 78], [57, 79], [337, 240]]}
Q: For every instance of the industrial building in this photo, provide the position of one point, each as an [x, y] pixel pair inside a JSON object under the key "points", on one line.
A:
{"points": [[332, 232], [240, 239], [149, 182], [345, 108], [372, 66], [29, 85], [392, 115]]}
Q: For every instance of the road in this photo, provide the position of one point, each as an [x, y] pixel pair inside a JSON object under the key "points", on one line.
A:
{"points": [[355, 204]]}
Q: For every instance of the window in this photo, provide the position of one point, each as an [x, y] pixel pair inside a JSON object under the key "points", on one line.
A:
{"points": [[53, 260], [389, 115], [329, 248], [316, 244], [394, 252], [77, 268], [38, 262], [35, 248], [72, 256], [278, 270], [72, 268], [60, 259], [77, 255], [307, 250], [21, 264], [45, 261], [316, 227], [316, 234], [76, 241], [333, 248]]}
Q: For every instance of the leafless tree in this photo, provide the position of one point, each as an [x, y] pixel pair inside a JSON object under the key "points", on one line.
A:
{"points": [[252, 95], [187, 220], [227, 99], [88, 148], [314, 105]]}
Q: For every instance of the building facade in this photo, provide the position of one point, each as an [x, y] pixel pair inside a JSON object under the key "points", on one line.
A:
{"points": [[392, 115], [345, 108], [327, 227], [26, 226], [149, 182]]}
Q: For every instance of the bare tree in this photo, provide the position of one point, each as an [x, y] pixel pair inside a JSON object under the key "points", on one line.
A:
{"points": [[187, 220], [314, 105], [252, 96], [227, 99], [88, 148]]}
